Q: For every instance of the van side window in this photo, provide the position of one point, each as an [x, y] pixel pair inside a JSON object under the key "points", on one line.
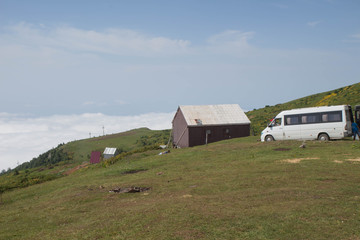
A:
{"points": [[310, 118], [332, 117], [292, 120], [324, 117], [304, 119], [335, 117], [313, 118]]}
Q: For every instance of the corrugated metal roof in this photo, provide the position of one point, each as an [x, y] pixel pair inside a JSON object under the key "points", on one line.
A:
{"points": [[224, 114], [110, 151]]}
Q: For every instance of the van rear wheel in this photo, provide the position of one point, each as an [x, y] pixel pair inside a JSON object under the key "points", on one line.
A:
{"points": [[269, 138], [323, 137]]}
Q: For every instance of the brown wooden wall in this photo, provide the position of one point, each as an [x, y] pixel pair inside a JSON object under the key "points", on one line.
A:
{"points": [[180, 131], [197, 135]]}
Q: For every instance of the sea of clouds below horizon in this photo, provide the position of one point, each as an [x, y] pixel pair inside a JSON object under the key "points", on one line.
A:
{"points": [[22, 138]]}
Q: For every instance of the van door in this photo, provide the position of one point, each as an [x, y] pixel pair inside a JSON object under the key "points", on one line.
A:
{"points": [[349, 118], [276, 127], [311, 126], [357, 114], [292, 127]]}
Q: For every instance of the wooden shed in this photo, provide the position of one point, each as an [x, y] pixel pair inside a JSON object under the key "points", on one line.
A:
{"points": [[95, 157], [199, 125], [109, 153]]}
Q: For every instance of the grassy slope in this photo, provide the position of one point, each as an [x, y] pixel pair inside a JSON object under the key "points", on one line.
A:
{"points": [[347, 95], [235, 189], [126, 141], [80, 152]]}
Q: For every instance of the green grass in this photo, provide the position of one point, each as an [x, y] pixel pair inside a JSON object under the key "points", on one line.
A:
{"points": [[234, 189]]}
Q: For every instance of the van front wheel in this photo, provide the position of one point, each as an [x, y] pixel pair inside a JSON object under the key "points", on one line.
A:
{"points": [[269, 138], [323, 137]]}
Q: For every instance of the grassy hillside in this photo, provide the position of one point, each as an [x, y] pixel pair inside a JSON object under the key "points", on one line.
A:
{"points": [[234, 189], [125, 141], [66, 158], [349, 95]]}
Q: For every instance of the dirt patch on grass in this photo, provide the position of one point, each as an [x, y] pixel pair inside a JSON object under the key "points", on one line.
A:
{"points": [[133, 171], [337, 161], [297, 160], [187, 196], [76, 168], [130, 189], [354, 160], [282, 149]]}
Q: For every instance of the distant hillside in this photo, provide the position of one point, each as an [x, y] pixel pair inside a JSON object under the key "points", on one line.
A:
{"points": [[61, 160], [124, 142], [347, 95], [80, 151]]}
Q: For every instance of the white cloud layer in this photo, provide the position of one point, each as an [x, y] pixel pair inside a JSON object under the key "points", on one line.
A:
{"points": [[313, 24], [109, 41], [22, 139], [356, 36]]}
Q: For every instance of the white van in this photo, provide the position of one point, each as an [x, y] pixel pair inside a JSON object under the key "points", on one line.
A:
{"points": [[322, 123]]}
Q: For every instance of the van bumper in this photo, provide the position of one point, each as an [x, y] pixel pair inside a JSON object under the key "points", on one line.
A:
{"points": [[348, 134]]}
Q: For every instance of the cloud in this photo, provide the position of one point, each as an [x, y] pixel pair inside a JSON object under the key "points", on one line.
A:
{"points": [[231, 36], [230, 42], [231, 39], [356, 36], [109, 41], [120, 102], [22, 139], [313, 24], [93, 103]]}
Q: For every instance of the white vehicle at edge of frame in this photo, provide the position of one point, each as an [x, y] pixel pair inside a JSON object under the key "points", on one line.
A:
{"points": [[321, 123]]}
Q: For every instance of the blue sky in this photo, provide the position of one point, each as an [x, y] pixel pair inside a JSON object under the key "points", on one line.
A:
{"points": [[133, 58]]}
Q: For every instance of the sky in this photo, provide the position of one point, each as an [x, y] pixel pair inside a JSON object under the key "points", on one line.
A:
{"points": [[69, 67]]}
